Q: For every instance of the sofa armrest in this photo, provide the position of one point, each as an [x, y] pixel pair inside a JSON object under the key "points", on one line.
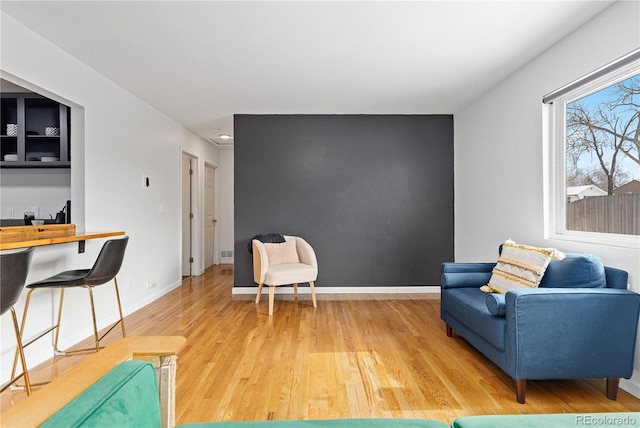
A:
{"points": [[127, 396], [46, 401], [570, 333], [458, 275], [616, 278], [306, 253]]}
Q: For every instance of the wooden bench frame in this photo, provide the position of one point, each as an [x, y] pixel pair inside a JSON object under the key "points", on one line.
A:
{"points": [[46, 401]]}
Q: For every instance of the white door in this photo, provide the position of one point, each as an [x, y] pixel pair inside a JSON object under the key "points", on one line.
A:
{"points": [[209, 215], [187, 215]]}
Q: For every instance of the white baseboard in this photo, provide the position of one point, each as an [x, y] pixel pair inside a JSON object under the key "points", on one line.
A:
{"points": [[304, 289], [630, 387]]}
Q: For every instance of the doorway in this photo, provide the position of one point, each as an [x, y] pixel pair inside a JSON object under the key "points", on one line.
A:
{"points": [[187, 215], [209, 216]]}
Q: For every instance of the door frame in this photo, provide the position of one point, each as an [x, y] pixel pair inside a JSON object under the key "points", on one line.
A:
{"points": [[215, 255], [192, 199]]}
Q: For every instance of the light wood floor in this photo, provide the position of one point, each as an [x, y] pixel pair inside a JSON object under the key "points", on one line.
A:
{"points": [[354, 356]]}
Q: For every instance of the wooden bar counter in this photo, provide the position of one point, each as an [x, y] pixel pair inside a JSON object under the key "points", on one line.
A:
{"points": [[12, 237]]}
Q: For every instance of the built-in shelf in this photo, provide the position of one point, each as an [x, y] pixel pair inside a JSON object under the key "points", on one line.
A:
{"points": [[33, 114]]}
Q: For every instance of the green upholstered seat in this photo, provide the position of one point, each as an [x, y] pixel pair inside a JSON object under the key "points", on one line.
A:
{"points": [[127, 396], [333, 423]]}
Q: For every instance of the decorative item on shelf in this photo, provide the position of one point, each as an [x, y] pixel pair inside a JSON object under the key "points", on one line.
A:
{"points": [[11, 157], [49, 159], [12, 129], [28, 216], [61, 218], [52, 131]]}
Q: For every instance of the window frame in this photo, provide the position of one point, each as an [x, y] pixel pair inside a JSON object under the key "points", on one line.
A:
{"points": [[555, 216]]}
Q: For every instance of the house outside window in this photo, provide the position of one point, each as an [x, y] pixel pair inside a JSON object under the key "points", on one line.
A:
{"points": [[595, 147]]}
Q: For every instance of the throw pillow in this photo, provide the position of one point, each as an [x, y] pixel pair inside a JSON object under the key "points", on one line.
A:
{"points": [[576, 270], [496, 304], [520, 266], [283, 253]]}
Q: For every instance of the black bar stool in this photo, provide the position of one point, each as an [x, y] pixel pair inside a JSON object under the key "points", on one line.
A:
{"points": [[14, 268], [104, 270]]}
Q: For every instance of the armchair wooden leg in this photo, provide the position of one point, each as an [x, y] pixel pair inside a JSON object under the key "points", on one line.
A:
{"points": [[313, 294], [272, 292], [612, 388], [521, 390], [295, 290], [449, 331], [259, 293]]}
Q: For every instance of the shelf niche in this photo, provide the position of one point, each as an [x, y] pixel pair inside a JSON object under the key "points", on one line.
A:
{"points": [[31, 147]]}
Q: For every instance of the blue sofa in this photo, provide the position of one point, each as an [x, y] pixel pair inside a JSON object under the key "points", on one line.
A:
{"points": [[581, 322]]}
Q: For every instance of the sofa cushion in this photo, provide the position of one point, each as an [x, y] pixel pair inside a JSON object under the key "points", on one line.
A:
{"points": [[496, 304], [283, 253], [520, 266], [324, 423], [290, 274], [561, 420], [468, 306], [575, 271]]}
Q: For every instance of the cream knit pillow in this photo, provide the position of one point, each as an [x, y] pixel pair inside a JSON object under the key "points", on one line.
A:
{"points": [[520, 266], [283, 253]]}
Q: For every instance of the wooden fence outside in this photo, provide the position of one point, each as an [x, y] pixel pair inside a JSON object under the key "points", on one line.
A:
{"points": [[606, 214]]}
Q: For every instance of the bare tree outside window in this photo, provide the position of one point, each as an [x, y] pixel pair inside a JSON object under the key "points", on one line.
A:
{"points": [[603, 160]]}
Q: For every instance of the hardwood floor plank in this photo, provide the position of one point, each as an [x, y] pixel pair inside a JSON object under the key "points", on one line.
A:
{"points": [[355, 356]]}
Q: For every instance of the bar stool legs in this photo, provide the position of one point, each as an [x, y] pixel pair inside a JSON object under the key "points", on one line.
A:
{"points": [[23, 361], [96, 338], [104, 270], [14, 268]]}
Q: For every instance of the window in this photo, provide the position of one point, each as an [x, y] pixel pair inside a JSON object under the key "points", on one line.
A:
{"points": [[595, 184]]}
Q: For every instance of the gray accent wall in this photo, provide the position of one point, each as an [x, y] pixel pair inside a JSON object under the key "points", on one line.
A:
{"points": [[372, 194]]}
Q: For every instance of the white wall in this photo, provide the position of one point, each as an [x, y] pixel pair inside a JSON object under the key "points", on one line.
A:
{"points": [[499, 164], [225, 203], [123, 139], [25, 189]]}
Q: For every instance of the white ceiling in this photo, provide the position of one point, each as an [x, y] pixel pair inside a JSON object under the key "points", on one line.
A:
{"points": [[200, 62]]}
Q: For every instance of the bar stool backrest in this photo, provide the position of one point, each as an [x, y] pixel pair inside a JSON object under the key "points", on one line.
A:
{"points": [[14, 269], [108, 263]]}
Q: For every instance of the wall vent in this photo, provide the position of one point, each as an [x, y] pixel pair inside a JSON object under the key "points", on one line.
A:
{"points": [[226, 256]]}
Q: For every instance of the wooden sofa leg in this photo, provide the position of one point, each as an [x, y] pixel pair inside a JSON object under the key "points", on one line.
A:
{"points": [[449, 331], [521, 390], [612, 388]]}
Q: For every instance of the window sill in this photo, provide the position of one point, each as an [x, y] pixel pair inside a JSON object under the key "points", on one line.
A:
{"points": [[631, 242]]}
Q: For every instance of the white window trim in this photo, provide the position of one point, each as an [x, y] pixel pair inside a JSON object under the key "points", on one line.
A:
{"points": [[555, 166]]}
